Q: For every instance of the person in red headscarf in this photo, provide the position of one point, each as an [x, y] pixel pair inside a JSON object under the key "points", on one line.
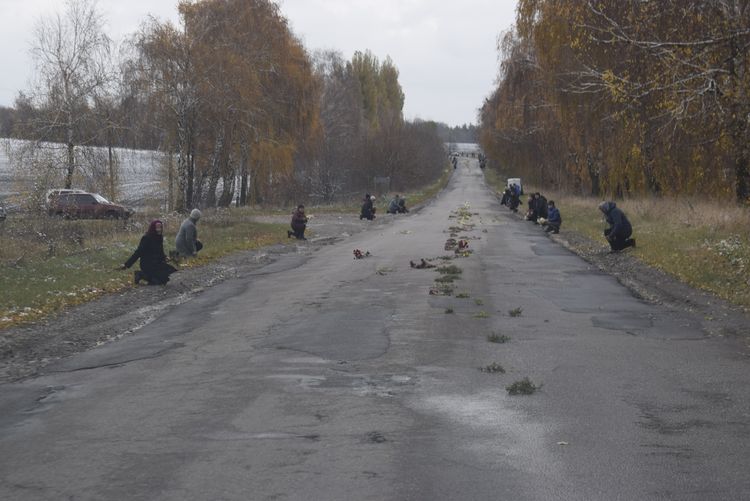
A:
{"points": [[154, 267]]}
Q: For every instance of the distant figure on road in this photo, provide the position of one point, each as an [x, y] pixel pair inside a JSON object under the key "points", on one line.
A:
{"points": [[368, 208], [619, 231], [530, 209], [506, 197], [515, 197], [154, 267], [299, 223], [187, 243], [554, 219]]}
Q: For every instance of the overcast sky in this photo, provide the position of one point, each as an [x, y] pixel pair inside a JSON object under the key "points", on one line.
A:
{"points": [[445, 50]]}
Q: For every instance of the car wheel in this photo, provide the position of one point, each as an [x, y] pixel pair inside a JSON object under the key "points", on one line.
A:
{"points": [[113, 215]]}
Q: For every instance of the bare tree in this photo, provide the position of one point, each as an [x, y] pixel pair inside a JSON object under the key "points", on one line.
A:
{"points": [[71, 53]]}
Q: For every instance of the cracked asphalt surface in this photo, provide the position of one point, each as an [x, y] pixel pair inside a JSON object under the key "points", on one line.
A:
{"points": [[317, 376]]}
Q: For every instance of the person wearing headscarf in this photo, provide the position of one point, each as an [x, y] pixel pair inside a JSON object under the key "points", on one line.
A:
{"points": [[153, 261], [187, 243], [619, 231]]}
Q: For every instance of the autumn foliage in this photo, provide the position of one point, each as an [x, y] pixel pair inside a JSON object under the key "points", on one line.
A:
{"points": [[250, 117], [240, 110], [623, 98]]}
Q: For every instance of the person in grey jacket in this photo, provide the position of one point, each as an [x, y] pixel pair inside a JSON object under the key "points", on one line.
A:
{"points": [[187, 243]]}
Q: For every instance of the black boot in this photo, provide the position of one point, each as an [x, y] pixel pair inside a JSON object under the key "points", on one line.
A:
{"points": [[137, 277]]}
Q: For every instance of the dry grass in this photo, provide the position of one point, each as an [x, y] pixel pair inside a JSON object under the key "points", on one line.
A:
{"points": [[702, 242], [47, 264]]}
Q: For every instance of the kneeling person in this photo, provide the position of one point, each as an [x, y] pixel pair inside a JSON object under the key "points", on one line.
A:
{"points": [[554, 219], [187, 242], [619, 232], [299, 223]]}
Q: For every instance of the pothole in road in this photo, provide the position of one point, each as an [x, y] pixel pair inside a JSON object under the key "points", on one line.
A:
{"points": [[385, 385], [622, 322]]}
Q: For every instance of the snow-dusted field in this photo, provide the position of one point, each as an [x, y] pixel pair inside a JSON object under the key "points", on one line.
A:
{"points": [[142, 181], [139, 173]]}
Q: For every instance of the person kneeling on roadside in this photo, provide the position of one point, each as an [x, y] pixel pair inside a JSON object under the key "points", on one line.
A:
{"points": [[299, 224], [368, 208], [619, 231], [154, 267], [393, 206], [554, 219], [530, 213], [187, 242], [397, 205]]}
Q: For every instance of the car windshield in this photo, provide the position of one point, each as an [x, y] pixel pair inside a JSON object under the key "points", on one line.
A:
{"points": [[100, 199]]}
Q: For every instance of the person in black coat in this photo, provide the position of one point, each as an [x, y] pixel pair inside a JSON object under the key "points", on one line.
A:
{"points": [[619, 231], [154, 267], [299, 223], [368, 208]]}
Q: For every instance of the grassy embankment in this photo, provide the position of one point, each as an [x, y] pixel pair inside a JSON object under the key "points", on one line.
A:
{"points": [[47, 264], [703, 243]]}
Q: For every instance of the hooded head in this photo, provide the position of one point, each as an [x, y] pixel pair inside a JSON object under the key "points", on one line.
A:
{"points": [[195, 214], [156, 228], [606, 207]]}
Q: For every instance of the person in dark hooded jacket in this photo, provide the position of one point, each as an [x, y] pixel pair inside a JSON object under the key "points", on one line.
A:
{"points": [[619, 231], [299, 223], [154, 267]]}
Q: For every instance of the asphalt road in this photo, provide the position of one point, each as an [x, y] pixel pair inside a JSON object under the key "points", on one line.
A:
{"points": [[325, 377]]}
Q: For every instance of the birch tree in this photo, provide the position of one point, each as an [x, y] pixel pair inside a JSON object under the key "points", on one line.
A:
{"points": [[71, 54]]}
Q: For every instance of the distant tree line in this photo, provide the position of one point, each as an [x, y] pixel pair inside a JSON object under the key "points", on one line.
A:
{"points": [[240, 109], [618, 98], [466, 133]]}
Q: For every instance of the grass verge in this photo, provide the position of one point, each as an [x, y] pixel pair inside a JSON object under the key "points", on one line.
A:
{"points": [[703, 243], [63, 263]]}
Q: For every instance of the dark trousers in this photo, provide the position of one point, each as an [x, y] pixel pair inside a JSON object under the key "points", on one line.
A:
{"points": [[157, 274], [618, 241]]}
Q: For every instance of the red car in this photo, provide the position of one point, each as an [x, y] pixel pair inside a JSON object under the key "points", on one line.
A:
{"points": [[86, 206]]}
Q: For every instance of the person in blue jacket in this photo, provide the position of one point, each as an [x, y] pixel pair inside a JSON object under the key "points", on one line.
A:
{"points": [[619, 232], [554, 219]]}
